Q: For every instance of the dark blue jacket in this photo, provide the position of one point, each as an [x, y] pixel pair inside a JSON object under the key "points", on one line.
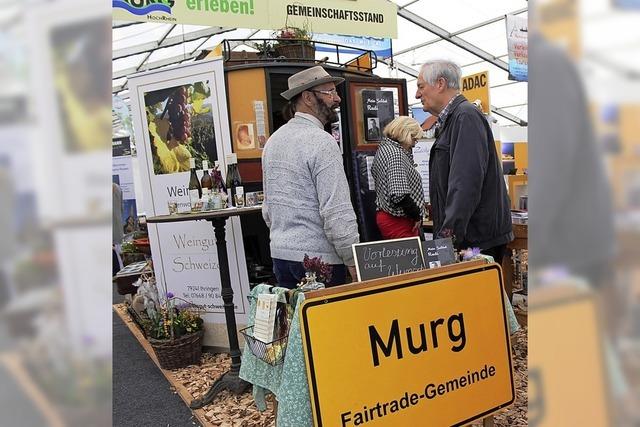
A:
{"points": [[466, 185]]}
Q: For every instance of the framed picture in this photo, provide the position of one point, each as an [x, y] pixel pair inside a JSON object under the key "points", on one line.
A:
{"points": [[248, 112], [245, 138], [372, 105]]}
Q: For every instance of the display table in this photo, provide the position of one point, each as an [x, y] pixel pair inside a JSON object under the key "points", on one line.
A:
{"points": [[288, 380], [520, 242], [218, 218]]}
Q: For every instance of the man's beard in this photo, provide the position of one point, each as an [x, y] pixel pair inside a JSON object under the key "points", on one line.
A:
{"points": [[328, 114]]}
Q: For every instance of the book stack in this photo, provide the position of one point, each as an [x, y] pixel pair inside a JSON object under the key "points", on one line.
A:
{"points": [[265, 317]]}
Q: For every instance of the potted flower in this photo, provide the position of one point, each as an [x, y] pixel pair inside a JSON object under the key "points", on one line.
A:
{"points": [[131, 253], [318, 273], [295, 43], [174, 329]]}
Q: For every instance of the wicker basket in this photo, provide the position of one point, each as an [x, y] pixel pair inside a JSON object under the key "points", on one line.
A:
{"points": [[178, 353], [298, 51]]}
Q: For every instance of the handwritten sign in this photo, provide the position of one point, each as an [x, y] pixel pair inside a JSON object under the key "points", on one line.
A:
{"points": [[387, 258], [438, 252]]}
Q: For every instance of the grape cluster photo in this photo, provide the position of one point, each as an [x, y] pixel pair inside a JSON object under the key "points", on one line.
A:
{"points": [[181, 127]]}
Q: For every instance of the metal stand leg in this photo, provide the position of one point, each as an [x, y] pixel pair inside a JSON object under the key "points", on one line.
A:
{"points": [[230, 380], [488, 422]]}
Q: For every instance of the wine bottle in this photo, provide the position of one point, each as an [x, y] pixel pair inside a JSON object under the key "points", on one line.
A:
{"points": [[206, 180], [217, 174], [195, 189], [233, 177], [218, 186]]}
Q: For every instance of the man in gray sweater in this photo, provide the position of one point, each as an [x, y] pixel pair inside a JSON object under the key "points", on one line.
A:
{"points": [[307, 206]]}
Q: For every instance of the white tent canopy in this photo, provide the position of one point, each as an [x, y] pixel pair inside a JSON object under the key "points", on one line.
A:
{"points": [[471, 33]]}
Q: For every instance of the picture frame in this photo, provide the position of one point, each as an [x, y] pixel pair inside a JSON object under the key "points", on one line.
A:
{"points": [[372, 105], [248, 111]]}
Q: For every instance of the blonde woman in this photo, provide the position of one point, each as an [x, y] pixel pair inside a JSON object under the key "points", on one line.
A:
{"points": [[399, 196]]}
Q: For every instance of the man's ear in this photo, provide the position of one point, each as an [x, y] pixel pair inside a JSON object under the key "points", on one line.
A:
{"points": [[306, 98]]}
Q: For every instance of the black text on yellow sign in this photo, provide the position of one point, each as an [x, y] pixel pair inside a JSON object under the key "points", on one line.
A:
{"points": [[429, 350], [475, 87]]}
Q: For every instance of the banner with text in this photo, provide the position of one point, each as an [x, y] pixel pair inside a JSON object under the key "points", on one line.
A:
{"points": [[354, 44], [475, 88], [360, 17], [448, 361], [180, 114], [517, 43]]}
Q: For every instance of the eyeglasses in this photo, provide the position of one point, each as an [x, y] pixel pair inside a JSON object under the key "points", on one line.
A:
{"points": [[331, 92]]}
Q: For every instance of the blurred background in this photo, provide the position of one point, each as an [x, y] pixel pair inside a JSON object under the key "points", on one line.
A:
{"points": [[55, 221], [584, 259]]}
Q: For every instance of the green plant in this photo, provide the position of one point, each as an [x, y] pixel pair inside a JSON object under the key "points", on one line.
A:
{"points": [[265, 49], [129, 248], [170, 320]]}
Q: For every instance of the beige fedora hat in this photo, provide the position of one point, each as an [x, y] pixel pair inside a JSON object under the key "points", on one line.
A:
{"points": [[307, 79]]}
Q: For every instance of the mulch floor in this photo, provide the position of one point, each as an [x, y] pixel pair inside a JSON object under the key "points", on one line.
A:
{"points": [[229, 410]]}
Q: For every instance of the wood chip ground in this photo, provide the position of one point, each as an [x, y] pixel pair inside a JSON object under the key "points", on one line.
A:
{"points": [[229, 410]]}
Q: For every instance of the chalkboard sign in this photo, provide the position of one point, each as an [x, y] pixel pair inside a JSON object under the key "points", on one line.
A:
{"points": [[388, 258], [438, 252]]}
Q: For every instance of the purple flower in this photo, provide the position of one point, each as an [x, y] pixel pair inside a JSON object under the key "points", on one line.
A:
{"points": [[169, 294], [470, 253]]}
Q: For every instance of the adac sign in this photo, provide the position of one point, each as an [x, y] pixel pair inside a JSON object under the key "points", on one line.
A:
{"points": [[475, 87], [424, 348], [376, 18]]}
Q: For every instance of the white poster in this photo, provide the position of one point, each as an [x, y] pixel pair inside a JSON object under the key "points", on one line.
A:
{"points": [[179, 114], [71, 123], [421, 157]]}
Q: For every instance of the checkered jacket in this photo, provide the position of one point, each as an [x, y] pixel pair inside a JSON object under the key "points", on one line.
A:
{"points": [[395, 175]]}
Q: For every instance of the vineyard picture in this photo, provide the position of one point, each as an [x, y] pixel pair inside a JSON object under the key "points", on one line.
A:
{"points": [[181, 127]]}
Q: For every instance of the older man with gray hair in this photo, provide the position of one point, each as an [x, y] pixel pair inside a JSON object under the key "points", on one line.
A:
{"points": [[466, 187]]}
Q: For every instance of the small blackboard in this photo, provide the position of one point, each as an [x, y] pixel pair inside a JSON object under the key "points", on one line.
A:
{"points": [[438, 252], [386, 258]]}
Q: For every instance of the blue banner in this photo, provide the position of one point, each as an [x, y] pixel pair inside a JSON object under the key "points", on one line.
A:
{"points": [[627, 4], [381, 46]]}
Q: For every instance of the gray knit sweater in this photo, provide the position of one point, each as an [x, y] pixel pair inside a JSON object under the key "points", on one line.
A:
{"points": [[307, 206]]}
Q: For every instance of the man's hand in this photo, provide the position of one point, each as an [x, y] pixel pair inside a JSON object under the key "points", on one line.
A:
{"points": [[353, 273]]}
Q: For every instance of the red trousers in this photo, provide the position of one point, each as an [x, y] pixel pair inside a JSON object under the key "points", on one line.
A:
{"points": [[396, 227]]}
